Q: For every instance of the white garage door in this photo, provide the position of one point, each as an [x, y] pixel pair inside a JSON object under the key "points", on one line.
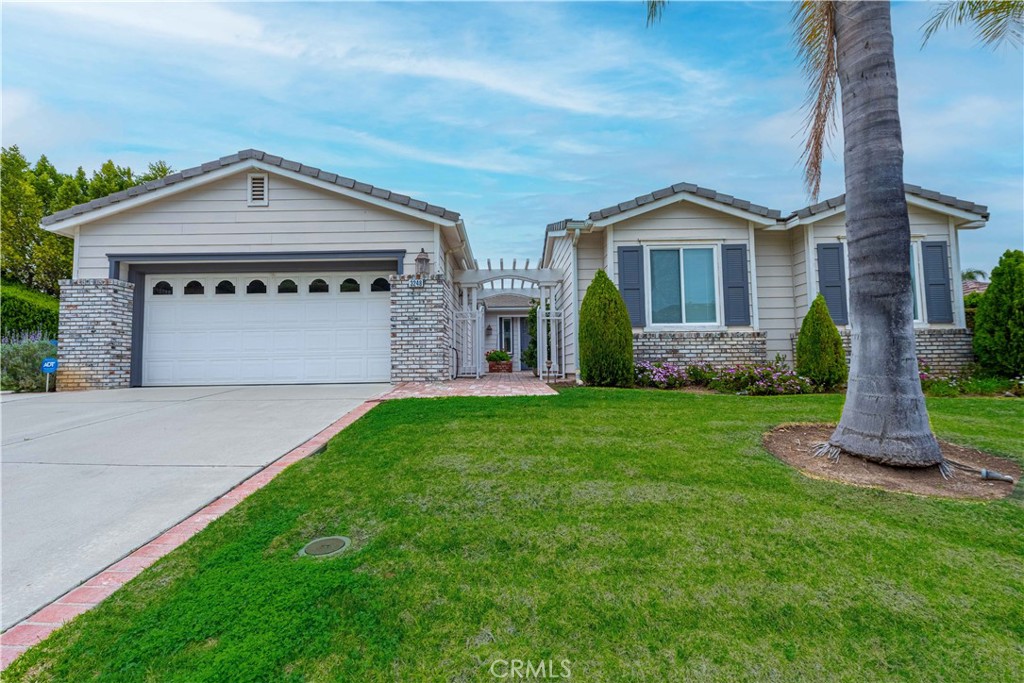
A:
{"points": [[266, 328]]}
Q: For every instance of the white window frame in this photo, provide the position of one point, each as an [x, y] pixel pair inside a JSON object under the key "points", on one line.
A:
{"points": [[716, 260], [511, 334], [918, 282]]}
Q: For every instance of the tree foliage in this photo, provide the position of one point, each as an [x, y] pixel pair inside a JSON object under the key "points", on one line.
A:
{"points": [[999, 320], [26, 311], [606, 336], [819, 348], [28, 254]]}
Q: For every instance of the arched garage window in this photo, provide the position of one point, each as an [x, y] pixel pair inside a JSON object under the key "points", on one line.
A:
{"points": [[318, 286], [349, 285], [256, 287], [224, 287], [287, 287], [163, 288], [380, 285], [194, 287]]}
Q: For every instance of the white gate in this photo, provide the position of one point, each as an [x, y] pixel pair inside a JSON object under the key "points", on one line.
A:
{"points": [[468, 318]]}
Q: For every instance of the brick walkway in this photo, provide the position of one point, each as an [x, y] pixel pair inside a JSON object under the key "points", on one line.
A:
{"points": [[36, 627], [491, 384]]}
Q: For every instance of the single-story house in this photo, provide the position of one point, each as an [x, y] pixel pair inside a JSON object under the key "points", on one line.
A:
{"points": [[711, 278], [253, 269]]}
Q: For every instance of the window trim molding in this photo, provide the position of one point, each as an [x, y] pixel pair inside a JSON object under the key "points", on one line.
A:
{"points": [[918, 283], [716, 257]]}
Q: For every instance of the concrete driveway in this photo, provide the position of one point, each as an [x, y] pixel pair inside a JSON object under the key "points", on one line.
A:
{"points": [[90, 476]]}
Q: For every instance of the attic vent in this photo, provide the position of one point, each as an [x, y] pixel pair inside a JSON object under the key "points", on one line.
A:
{"points": [[259, 194]]}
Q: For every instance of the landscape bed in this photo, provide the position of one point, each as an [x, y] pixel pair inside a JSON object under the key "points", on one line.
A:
{"points": [[637, 535]]}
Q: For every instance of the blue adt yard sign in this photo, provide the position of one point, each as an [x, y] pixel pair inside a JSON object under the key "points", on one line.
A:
{"points": [[49, 366]]}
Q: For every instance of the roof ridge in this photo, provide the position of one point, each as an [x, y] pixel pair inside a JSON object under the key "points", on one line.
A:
{"points": [[685, 188], [238, 158]]}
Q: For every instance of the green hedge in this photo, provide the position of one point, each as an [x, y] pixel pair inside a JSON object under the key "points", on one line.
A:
{"points": [[24, 311], [999, 322]]}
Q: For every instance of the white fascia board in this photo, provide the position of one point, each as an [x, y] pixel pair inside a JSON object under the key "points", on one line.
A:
{"points": [[763, 221], [65, 226], [972, 220]]}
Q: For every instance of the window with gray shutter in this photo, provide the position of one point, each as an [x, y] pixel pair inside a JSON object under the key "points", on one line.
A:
{"points": [[735, 285], [832, 281], [938, 294], [631, 283]]}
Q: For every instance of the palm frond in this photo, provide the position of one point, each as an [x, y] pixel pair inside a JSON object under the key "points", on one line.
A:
{"points": [[994, 22], [655, 8], [814, 30]]}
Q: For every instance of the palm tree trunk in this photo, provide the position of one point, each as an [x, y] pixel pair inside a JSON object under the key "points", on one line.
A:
{"points": [[884, 418]]}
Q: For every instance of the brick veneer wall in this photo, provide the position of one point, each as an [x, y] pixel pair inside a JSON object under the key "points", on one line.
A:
{"points": [[687, 348], [421, 329], [946, 351], [95, 334]]}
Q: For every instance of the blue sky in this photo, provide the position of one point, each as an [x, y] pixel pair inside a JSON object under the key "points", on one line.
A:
{"points": [[515, 115]]}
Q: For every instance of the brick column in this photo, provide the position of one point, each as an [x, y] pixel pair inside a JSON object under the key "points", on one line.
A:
{"points": [[95, 334], [421, 329]]}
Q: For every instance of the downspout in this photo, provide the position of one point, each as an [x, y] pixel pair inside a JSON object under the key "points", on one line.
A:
{"points": [[755, 317], [74, 257], [958, 296], [576, 306]]}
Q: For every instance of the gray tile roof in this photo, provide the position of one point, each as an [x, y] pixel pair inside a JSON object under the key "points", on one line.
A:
{"points": [[240, 158], [685, 188], [916, 190]]}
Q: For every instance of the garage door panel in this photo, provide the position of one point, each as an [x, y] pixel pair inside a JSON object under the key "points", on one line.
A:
{"points": [[268, 337], [318, 342]]}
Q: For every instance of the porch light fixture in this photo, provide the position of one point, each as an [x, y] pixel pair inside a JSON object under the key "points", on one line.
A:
{"points": [[422, 264]]}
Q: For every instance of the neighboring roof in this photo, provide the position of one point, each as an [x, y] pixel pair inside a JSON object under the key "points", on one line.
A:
{"points": [[240, 158], [915, 190], [683, 189], [507, 301], [971, 286]]}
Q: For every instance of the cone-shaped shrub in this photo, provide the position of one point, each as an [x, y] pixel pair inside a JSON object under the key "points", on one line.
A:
{"points": [[999, 320], [819, 348], [606, 336]]}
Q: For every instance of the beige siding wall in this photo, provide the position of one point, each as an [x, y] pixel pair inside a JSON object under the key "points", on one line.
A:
{"points": [[801, 263], [566, 297], [215, 218], [774, 290], [681, 222]]}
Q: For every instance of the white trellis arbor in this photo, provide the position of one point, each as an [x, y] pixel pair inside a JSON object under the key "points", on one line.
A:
{"points": [[468, 319]]}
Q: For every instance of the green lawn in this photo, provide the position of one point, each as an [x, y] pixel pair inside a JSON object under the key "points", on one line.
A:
{"points": [[641, 535]]}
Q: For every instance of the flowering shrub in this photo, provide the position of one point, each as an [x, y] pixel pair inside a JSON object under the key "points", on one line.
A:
{"points": [[20, 358], [773, 378], [497, 356]]}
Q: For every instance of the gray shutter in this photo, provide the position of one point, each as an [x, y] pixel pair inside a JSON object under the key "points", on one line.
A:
{"points": [[938, 294], [832, 281], [631, 283], [735, 286]]}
